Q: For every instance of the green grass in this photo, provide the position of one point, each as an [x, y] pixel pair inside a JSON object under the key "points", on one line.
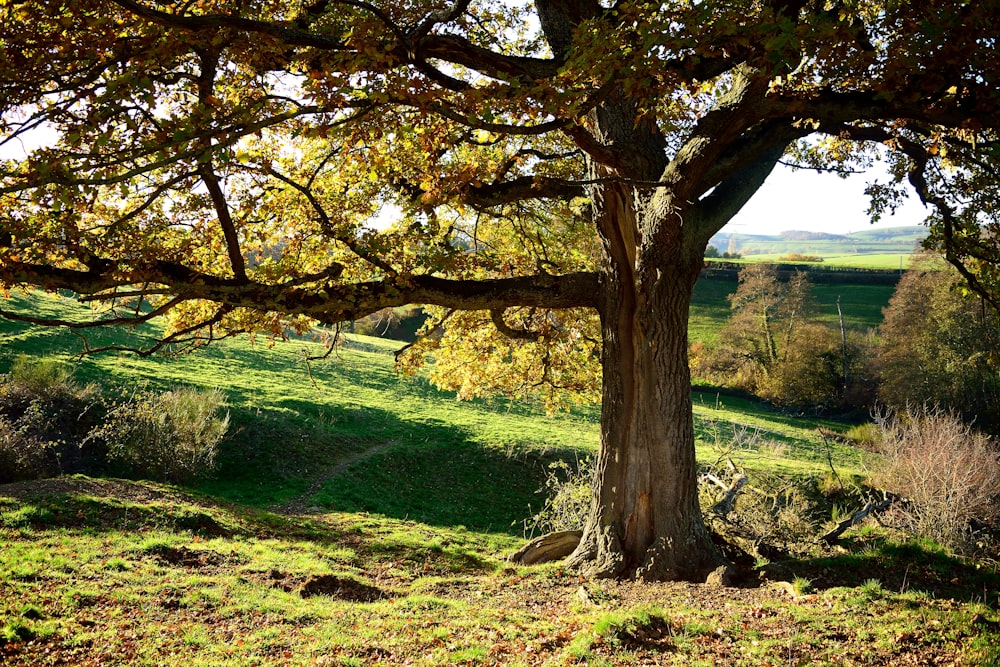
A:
{"points": [[861, 305], [350, 434], [871, 242], [764, 439], [884, 261], [296, 431], [104, 572], [363, 518]]}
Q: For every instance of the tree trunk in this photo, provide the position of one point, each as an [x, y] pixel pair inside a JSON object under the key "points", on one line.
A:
{"points": [[645, 521]]}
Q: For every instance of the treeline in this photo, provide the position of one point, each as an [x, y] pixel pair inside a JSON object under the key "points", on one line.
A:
{"points": [[937, 346], [817, 274]]}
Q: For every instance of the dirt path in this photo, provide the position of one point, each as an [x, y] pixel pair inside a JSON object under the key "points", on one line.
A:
{"points": [[300, 504]]}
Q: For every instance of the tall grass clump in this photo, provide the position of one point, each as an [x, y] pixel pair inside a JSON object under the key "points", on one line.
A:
{"points": [[172, 436], [948, 473], [44, 419]]}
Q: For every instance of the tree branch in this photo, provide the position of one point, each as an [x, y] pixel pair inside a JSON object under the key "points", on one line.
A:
{"points": [[328, 302], [729, 196], [496, 315], [519, 189]]}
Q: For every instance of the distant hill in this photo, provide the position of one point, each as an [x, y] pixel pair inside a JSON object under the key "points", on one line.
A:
{"points": [[810, 236], [882, 240]]}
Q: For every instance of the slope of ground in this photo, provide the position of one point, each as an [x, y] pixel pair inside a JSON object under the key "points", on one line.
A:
{"points": [[104, 572], [360, 518]]}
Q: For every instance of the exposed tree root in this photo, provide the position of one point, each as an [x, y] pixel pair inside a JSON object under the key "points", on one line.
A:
{"points": [[547, 548]]}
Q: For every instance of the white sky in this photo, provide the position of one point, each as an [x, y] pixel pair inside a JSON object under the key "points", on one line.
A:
{"points": [[809, 201]]}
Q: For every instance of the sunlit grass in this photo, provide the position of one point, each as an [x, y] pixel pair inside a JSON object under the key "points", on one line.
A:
{"points": [[144, 574]]}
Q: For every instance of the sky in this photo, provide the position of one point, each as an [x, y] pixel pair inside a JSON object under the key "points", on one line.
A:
{"points": [[809, 201]]}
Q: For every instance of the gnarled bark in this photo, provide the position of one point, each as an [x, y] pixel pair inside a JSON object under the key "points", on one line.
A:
{"points": [[654, 530]]}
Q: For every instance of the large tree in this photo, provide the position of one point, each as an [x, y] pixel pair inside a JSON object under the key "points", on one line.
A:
{"points": [[220, 163]]}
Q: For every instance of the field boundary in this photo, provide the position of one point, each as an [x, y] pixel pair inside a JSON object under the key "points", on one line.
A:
{"points": [[817, 273]]}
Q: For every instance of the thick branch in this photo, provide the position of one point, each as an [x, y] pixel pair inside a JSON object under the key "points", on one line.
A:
{"points": [[729, 196], [328, 302], [415, 48], [519, 189], [945, 109], [290, 36]]}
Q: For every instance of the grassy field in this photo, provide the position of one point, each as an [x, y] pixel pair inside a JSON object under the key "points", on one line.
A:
{"points": [[888, 261], [113, 573], [868, 243], [861, 305], [362, 518]]}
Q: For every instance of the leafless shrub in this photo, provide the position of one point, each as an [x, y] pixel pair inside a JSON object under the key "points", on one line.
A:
{"points": [[948, 472], [568, 488]]}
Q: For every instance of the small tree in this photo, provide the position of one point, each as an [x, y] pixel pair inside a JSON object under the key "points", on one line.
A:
{"points": [[940, 346], [808, 372], [772, 345]]}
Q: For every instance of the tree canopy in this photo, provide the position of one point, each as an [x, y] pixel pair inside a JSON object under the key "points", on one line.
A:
{"points": [[222, 163]]}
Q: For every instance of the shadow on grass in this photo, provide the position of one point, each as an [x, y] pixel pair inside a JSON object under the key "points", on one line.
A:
{"points": [[904, 566], [369, 460], [442, 483], [163, 529]]}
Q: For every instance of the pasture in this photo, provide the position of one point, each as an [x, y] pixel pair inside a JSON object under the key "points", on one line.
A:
{"points": [[363, 518]]}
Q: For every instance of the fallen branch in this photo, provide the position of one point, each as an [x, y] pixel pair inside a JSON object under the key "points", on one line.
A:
{"points": [[872, 506], [725, 504]]}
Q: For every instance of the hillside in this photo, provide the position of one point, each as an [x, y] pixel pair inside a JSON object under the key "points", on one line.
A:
{"points": [[364, 518], [891, 240]]}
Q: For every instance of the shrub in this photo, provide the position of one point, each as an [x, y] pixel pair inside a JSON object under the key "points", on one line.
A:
{"points": [[865, 436], [171, 437], [799, 257], [40, 375], [948, 473], [938, 346], [808, 371], [22, 455], [568, 494], [44, 420]]}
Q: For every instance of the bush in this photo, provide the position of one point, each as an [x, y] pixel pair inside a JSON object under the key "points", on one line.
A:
{"points": [[171, 437], [808, 372], [44, 421], [948, 473], [939, 347], [40, 375], [568, 494], [22, 455]]}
